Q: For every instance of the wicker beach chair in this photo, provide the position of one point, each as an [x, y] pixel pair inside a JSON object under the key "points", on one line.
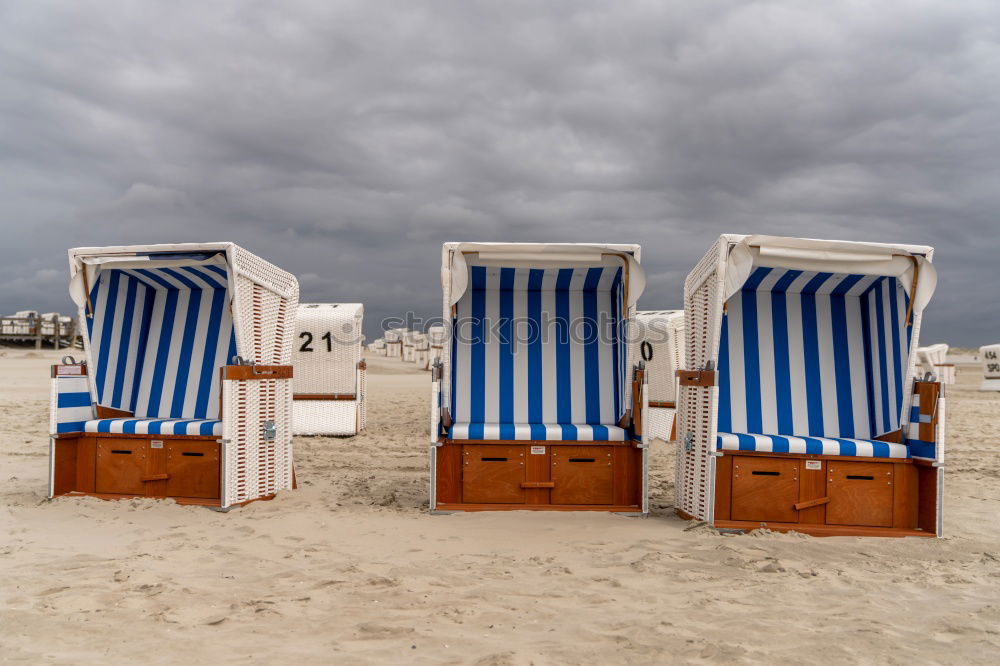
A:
{"points": [[185, 390], [329, 384], [537, 403], [799, 407], [659, 342]]}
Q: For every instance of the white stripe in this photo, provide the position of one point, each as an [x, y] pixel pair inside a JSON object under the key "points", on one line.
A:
{"points": [[491, 352]]}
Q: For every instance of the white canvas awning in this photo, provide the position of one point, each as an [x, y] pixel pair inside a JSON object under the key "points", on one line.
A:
{"points": [[845, 257], [542, 255]]}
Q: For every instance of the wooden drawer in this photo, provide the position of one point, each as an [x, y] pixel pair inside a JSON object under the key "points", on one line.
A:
{"points": [[121, 466], [860, 493], [492, 474], [192, 468], [765, 489], [582, 475]]}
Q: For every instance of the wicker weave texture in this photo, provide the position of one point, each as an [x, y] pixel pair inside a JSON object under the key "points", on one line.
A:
{"points": [[325, 417], [663, 334], [265, 302], [698, 406], [327, 347], [660, 422]]}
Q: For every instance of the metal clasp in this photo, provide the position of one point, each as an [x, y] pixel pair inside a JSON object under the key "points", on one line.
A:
{"points": [[688, 440], [270, 431]]}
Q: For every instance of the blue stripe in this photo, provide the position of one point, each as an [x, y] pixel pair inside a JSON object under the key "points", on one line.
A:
{"points": [[162, 354], [921, 449], [129, 426], [186, 352], [75, 399], [751, 349], [506, 349], [810, 344], [70, 426], [782, 361], [140, 361], [477, 350], [124, 344], [600, 433], [183, 279], [780, 444], [842, 355], [880, 331], [535, 413], [107, 327], [209, 364], [564, 377], [207, 428], [897, 369], [206, 277], [725, 400], [617, 348], [866, 339], [591, 349], [849, 448]]}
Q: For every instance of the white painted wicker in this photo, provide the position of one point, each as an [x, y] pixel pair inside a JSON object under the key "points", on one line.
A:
{"points": [[394, 342], [659, 342], [263, 299], [989, 355], [933, 359], [327, 361], [704, 301]]}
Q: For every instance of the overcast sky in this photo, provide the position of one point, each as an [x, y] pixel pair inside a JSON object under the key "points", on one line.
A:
{"points": [[345, 141]]}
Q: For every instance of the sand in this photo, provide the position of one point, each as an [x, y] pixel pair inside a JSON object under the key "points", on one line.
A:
{"points": [[350, 568]]}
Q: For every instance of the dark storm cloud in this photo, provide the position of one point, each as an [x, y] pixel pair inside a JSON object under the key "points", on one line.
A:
{"points": [[346, 141]]}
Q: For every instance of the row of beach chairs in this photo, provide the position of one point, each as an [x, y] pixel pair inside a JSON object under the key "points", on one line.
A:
{"points": [[788, 386]]}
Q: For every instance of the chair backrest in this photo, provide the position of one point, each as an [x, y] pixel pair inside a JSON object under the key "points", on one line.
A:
{"points": [[820, 354], [158, 337], [539, 345]]}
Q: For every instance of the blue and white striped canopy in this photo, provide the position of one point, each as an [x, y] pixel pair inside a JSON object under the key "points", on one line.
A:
{"points": [[814, 354], [528, 348], [158, 337]]}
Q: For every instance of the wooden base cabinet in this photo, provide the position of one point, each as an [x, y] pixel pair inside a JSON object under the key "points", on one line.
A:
{"points": [[822, 495], [186, 469], [538, 475]]}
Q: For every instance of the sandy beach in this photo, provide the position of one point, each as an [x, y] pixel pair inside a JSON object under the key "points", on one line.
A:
{"points": [[350, 568]]}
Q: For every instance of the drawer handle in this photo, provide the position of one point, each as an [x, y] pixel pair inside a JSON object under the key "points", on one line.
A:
{"points": [[493, 459], [583, 460], [860, 477], [121, 452], [811, 503], [760, 473], [193, 453]]}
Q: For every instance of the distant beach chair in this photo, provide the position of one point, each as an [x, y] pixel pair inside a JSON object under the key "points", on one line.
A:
{"points": [[659, 343], [799, 408], [989, 355], [377, 347], [329, 384], [409, 346], [421, 351], [185, 390], [933, 360], [538, 403], [437, 337], [394, 342]]}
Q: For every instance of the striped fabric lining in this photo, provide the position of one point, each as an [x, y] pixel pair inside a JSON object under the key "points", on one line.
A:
{"points": [[816, 446], [73, 407], [158, 337], [156, 426], [813, 354], [538, 431], [918, 447], [541, 371]]}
